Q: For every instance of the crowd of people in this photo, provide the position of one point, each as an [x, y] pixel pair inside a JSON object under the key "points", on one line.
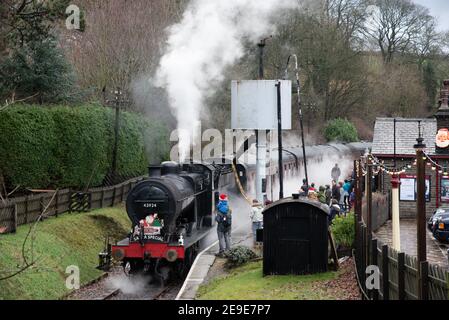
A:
{"points": [[339, 196]]}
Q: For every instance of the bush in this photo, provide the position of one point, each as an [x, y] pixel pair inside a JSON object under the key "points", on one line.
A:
{"points": [[61, 146], [341, 130], [239, 256], [343, 229]]}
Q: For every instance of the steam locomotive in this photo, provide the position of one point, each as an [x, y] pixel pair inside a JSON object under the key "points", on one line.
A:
{"points": [[171, 212], [173, 209]]}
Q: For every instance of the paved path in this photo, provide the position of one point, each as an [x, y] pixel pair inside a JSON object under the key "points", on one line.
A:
{"points": [[436, 252], [200, 269], [241, 236]]}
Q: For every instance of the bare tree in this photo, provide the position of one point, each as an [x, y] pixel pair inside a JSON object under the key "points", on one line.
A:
{"points": [[399, 26], [122, 39]]}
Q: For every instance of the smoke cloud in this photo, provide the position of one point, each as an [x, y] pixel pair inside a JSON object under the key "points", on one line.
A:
{"points": [[208, 39]]}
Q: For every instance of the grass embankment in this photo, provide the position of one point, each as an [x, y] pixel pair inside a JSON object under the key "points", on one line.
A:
{"points": [[70, 239], [248, 283]]}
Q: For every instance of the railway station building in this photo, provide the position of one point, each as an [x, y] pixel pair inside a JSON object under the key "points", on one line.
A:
{"points": [[393, 144]]}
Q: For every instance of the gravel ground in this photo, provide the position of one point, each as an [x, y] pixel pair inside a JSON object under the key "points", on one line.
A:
{"points": [[345, 287]]}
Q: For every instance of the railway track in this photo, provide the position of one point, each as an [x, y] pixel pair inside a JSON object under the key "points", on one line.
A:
{"points": [[111, 295], [165, 290]]}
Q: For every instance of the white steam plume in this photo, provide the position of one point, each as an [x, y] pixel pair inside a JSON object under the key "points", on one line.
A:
{"points": [[208, 39]]}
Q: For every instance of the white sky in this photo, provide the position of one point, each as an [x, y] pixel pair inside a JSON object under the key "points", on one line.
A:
{"points": [[439, 9]]}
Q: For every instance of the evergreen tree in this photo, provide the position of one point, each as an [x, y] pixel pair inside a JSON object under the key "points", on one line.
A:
{"points": [[39, 70]]}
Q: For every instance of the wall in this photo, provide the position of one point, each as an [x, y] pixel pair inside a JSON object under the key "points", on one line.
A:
{"points": [[408, 209]]}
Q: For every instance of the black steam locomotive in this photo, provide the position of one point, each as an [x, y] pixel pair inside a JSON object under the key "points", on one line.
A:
{"points": [[171, 212]]}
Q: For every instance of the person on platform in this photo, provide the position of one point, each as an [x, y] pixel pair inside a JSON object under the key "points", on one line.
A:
{"points": [[334, 210], [256, 218], [335, 191], [305, 187], [322, 195], [328, 194], [341, 201], [347, 192], [312, 188], [352, 199], [336, 172], [224, 225]]}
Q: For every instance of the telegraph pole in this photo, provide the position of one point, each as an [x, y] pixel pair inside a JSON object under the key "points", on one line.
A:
{"points": [[117, 103], [118, 100]]}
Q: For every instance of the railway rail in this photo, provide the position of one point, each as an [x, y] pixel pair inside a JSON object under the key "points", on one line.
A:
{"points": [[111, 295]]}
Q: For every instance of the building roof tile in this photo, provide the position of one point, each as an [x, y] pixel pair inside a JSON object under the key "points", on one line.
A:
{"points": [[407, 131]]}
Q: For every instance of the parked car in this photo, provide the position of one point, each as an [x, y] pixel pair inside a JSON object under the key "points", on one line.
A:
{"points": [[439, 225], [436, 215]]}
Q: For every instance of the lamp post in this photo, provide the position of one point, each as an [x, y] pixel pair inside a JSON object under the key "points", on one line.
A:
{"points": [[301, 117], [421, 212]]}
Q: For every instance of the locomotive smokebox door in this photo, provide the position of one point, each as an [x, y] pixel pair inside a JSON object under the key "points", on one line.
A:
{"points": [[295, 237]]}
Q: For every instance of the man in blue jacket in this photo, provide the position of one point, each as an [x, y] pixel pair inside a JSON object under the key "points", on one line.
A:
{"points": [[224, 225]]}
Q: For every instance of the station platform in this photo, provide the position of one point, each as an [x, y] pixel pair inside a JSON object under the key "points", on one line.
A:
{"points": [[240, 237], [436, 251]]}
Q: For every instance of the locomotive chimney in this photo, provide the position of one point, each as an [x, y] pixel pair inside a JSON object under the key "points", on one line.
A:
{"points": [[155, 171]]}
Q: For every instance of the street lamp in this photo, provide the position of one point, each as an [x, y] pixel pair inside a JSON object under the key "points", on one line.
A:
{"points": [[301, 120]]}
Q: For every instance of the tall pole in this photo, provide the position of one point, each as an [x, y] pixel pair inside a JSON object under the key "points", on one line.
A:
{"points": [[301, 121], [261, 139], [369, 195], [281, 164], [261, 46], [421, 211], [369, 204], [358, 190], [301, 117], [118, 94], [394, 142]]}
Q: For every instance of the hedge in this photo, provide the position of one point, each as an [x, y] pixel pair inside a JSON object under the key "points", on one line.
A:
{"points": [[59, 147]]}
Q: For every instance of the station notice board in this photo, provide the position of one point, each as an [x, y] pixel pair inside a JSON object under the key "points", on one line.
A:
{"points": [[408, 188]]}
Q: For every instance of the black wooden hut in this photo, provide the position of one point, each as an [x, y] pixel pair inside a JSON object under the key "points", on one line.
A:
{"points": [[295, 237]]}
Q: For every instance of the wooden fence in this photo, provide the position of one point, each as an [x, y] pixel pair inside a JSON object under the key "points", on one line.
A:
{"points": [[399, 277], [380, 210], [27, 209]]}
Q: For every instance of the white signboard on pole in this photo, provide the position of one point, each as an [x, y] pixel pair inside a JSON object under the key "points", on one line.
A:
{"points": [[255, 104]]}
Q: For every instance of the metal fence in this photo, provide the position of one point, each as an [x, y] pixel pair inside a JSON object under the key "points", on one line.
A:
{"points": [[27, 209]]}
